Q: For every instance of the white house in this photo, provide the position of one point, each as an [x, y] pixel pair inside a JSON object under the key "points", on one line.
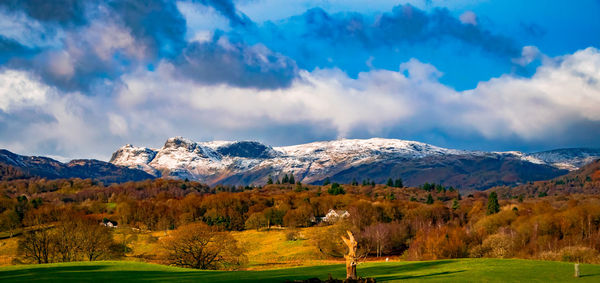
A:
{"points": [[109, 223], [334, 215]]}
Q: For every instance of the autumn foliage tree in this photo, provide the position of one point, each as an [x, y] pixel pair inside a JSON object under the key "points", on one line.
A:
{"points": [[200, 246]]}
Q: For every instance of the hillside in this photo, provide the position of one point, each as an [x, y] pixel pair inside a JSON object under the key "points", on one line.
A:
{"points": [[585, 180], [14, 166], [463, 270], [376, 159]]}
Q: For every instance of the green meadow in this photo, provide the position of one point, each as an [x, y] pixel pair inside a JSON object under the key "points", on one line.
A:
{"points": [[461, 270]]}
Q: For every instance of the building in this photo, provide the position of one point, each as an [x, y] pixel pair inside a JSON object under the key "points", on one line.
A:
{"points": [[109, 223], [334, 215]]}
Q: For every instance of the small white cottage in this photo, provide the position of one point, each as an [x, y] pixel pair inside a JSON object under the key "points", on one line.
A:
{"points": [[335, 215]]}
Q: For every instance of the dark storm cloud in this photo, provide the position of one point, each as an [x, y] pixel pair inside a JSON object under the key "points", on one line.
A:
{"points": [[63, 12], [404, 24], [533, 29], [10, 48], [158, 32], [235, 63], [227, 9], [407, 23], [356, 42], [158, 24]]}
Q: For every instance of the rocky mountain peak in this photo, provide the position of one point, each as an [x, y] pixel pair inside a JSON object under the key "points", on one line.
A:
{"points": [[247, 149], [245, 162]]}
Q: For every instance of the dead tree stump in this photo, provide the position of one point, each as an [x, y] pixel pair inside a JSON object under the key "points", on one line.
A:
{"points": [[351, 259]]}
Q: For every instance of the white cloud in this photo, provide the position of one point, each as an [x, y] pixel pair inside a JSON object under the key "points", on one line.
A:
{"points": [[153, 105], [559, 94], [28, 32], [117, 124], [60, 64], [38, 119], [468, 17], [528, 55], [106, 38], [18, 89], [562, 92]]}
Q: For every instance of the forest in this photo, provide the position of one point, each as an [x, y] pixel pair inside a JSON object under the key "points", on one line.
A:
{"points": [[68, 220]]}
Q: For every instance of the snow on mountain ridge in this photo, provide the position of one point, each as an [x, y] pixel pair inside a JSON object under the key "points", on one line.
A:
{"points": [[214, 160]]}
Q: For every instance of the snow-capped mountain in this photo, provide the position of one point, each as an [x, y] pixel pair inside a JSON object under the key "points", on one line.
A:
{"points": [[245, 162]]}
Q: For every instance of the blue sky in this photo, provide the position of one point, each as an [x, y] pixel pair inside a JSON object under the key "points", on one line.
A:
{"points": [[81, 78]]}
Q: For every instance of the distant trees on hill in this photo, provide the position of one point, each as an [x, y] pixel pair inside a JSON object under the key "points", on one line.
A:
{"points": [[287, 179], [335, 189], [431, 221]]}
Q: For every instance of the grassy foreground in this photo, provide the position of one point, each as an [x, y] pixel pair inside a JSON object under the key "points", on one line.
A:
{"points": [[463, 270]]}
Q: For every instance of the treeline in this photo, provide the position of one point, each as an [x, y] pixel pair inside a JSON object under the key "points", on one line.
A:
{"points": [[426, 222], [586, 180]]}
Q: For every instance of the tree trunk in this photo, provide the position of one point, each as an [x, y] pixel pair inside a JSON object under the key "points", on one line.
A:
{"points": [[350, 269], [351, 256], [577, 270]]}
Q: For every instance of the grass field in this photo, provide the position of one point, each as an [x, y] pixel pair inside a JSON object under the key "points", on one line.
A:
{"points": [[462, 270]]}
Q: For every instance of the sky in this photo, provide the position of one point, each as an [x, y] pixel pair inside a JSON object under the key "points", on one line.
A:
{"points": [[79, 79]]}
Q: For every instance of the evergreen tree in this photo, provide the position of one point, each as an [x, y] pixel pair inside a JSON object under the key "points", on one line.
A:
{"points": [[372, 183], [326, 182], [336, 189], [455, 204], [292, 180], [398, 183], [278, 182], [270, 181], [365, 182], [390, 182], [439, 188], [286, 179], [428, 187], [493, 206], [429, 199], [354, 182], [298, 187]]}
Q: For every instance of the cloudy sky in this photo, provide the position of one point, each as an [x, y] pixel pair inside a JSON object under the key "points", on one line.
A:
{"points": [[78, 79]]}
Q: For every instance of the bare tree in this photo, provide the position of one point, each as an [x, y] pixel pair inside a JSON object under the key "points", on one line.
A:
{"points": [[66, 241], [9, 221], [37, 245], [378, 235], [200, 246], [95, 240]]}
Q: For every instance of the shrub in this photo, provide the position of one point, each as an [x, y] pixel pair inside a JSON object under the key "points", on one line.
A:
{"points": [[498, 245], [292, 235], [579, 254]]}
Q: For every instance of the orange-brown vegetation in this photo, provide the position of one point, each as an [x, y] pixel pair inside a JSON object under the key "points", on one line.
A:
{"points": [[429, 222]]}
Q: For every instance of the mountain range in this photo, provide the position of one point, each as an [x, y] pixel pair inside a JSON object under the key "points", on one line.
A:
{"points": [[345, 160], [14, 166]]}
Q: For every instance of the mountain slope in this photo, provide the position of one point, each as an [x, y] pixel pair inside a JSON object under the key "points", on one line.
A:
{"points": [[246, 162], [16, 166], [585, 180]]}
